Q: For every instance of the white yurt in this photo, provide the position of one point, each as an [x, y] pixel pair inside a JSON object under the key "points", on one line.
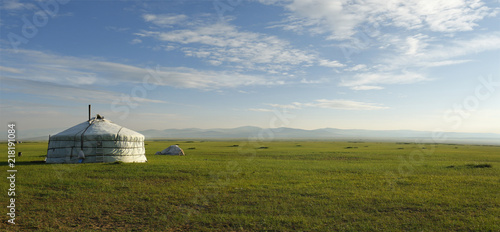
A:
{"points": [[100, 140], [171, 150]]}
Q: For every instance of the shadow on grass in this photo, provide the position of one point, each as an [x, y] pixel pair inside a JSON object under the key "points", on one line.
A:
{"points": [[478, 165], [471, 166], [114, 163], [22, 163]]}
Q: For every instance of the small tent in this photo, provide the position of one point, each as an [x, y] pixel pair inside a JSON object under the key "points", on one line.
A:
{"points": [[172, 150], [100, 140]]}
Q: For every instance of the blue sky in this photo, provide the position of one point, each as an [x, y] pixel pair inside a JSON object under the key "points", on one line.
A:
{"points": [[419, 65]]}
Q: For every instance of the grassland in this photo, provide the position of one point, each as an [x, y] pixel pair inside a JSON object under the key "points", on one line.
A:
{"points": [[268, 186]]}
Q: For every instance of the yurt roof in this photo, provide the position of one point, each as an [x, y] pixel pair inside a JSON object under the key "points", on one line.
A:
{"points": [[98, 128]]}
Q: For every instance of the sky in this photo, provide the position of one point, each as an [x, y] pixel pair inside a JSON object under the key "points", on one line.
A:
{"points": [[428, 65]]}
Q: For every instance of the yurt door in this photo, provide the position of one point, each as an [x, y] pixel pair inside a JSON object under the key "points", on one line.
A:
{"points": [[70, 155], [99, 153]]}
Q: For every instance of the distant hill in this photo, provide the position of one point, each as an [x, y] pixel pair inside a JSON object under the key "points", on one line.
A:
{"points": [[283, 133], [323, 134], [37, 134]]}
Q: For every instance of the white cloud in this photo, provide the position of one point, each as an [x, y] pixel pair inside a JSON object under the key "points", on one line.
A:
{"points": [[117, 29], [260, 110], [369, 81], [359, 67], [324, 16], [11, 70], [74, 71], [68, 93], [294, 105], [331, 64], [336, 104], [223, 44], [424, 52], [345, 105], [450, 16], [318, 81], [412, 45], [417, 52], [16, 5], [445, 63], [366, 87], [340, 19], [412, 50], [165, 20], [136, 41], [460, 47]]}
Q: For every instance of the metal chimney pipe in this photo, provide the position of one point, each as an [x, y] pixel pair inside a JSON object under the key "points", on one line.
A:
{"points": [[89, 113]]}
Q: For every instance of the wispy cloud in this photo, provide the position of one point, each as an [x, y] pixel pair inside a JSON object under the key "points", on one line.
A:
{"points": [[461, 47], [345, 105], [370, 81], [358, 25], [136, 41], [165, 20], [68, 93], [340, 19], [16, 5], [74, 71], [117, 29], [11, 70], [316, 81], [223, 44], [336, 104], [260, 110], [424, 51], [331, 64], [415, 54], [295, 105], [366, 87]]}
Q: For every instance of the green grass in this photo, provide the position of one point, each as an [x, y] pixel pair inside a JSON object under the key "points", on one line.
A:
{"points": [[263, 186]]}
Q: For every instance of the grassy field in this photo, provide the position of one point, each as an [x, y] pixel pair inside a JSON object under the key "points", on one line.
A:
{"points": [[265, 186]]}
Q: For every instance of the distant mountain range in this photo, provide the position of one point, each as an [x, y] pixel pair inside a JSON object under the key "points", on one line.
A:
{"points": [[324, 134], [283, 133]]}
